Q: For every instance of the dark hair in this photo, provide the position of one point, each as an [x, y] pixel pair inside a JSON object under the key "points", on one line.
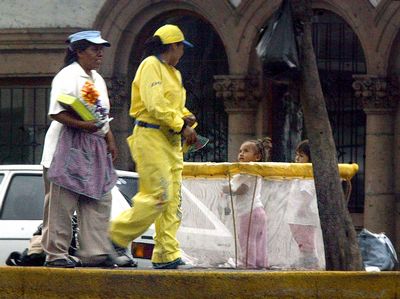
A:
{"points": [[72, 51], [263, 146], [304, 148], [154, 46]]}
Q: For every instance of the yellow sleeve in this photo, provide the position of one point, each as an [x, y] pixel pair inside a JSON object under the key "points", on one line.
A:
{"points": [[152, 95], [186, 112]]}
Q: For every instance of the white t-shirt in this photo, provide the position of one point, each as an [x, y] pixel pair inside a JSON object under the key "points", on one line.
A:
{"points": [[243, 202], [302, 207], [70, 81]]}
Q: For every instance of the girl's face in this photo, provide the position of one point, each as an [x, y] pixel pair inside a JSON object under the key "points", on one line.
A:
{"points": [[301, 158], [248, 153]]}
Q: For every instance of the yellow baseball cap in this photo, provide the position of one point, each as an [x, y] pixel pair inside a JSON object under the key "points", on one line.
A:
{"points": [[170, 34]]}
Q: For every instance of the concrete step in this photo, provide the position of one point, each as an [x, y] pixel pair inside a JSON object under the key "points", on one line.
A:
{"points": [[41, 282]]}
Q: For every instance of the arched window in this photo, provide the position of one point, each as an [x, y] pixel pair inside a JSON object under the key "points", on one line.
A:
{"points": [[339, 56]]}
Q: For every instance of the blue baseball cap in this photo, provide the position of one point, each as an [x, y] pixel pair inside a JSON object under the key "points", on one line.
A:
{"points": [[89, 35]]}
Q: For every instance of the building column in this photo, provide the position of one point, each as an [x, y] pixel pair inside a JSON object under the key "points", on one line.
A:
{"points": [[241, 98], [378, 102], [121, 125]]}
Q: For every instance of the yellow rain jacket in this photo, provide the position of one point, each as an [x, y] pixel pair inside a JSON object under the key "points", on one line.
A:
{"points": [[158, 96]]}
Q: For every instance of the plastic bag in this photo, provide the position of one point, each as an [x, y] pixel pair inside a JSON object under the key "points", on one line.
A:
{"points": [[277, 47], [377, 251]]}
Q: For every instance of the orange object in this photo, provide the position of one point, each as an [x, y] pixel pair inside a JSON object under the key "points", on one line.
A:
{"points": [[89, 93]]}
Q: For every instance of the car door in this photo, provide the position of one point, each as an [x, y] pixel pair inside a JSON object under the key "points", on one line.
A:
{"points": [[22, 194]]}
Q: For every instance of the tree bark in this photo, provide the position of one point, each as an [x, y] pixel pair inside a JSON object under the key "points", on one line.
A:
{"points": [[340, 239]]}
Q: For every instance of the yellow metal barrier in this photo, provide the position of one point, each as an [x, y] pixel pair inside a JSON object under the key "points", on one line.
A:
{"points": [[267, 169]]}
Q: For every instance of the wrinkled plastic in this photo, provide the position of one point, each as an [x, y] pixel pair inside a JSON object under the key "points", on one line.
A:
{"points": [[211, 222], [277, 47], [377, 251]]}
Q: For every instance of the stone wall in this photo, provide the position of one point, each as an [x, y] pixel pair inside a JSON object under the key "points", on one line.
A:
{"points": [[48, 13]]}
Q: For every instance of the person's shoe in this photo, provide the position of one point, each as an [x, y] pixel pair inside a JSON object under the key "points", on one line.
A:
{"points": [[123, 258], [175, 264], [109, 262], [60, 263], [76, 261], [100, 261], [125, 261]]}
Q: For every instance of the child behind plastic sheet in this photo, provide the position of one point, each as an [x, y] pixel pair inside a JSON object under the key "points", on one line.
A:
{"points": [[303, 216], [249, 210]]}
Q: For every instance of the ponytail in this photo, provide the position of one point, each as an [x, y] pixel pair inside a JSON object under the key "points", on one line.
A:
{"points": [[154, 46], [264, 146]]}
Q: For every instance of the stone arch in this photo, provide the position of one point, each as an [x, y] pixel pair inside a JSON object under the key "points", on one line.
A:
{"points": [[127, 26], [388, 24], [355, 17], [255, 16], [383, 23], [121, 22], [394, 57]]}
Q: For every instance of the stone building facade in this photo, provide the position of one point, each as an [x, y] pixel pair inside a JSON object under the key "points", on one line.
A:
{"points": [[229, 91]]}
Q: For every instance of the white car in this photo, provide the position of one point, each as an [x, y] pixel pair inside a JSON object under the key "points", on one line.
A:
{"points": [[21, 203], [21, 211]]}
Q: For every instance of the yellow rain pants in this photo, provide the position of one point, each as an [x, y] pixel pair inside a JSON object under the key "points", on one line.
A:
{"points": [[159, 162]]}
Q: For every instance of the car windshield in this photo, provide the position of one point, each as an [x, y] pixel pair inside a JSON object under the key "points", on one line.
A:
{"points": [[128, 186]]}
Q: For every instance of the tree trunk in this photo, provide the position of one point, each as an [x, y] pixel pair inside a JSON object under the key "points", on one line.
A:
{"points": [[340, 239]]}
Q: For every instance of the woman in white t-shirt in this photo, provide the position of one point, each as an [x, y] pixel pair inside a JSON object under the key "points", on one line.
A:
{"points": [[249, 210], [77, 160]]}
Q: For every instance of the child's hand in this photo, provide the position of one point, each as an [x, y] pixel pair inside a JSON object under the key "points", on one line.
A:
{"points": [[225, 189], [243, 188]]}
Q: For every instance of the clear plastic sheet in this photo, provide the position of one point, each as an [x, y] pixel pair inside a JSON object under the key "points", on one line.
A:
{"points": [[273, 224]]}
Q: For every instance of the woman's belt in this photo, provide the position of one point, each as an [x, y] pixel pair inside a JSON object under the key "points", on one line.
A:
{"points": [[146, 125]]}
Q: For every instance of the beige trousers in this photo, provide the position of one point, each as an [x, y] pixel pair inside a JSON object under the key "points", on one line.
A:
{"points": [[93, 220]]}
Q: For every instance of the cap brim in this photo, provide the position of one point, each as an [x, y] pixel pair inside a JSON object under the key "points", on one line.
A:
{"points": [[186, 43], [99, 41], [96, 40]]}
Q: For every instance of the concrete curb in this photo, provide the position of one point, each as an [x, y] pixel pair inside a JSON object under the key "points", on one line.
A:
{"points": [[41, 282]]}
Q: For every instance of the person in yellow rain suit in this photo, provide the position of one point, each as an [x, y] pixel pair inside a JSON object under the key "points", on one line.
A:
{"points": [[161, 120]]}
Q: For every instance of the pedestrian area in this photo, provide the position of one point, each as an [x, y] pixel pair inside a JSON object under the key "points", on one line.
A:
{"points": [[41, 282]]}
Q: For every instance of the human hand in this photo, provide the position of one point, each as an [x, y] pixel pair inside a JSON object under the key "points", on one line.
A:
{"points": [[190, 135], [226, 189], [112, 149], [189, 120], [89, 126]]}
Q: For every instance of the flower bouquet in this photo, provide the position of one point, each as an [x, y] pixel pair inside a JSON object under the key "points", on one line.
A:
{"points": [[88, 106]]}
